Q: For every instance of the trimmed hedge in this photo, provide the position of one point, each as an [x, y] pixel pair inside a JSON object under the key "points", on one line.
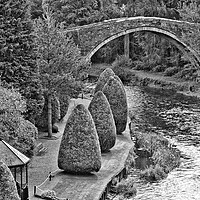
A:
{"points": [[116, 95], [8, 189], [103, 118], [103, 78], [79, 149]]}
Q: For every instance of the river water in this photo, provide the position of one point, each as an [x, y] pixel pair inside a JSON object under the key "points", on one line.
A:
{"points": [[177, 117]]}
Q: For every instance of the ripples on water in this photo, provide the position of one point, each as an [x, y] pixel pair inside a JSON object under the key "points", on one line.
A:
{"points": [[178, 118]]}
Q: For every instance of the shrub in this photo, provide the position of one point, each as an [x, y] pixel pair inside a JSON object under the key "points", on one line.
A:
{"points": [[153, 173], [79, 149], [122, 61], [187, 73], [27, 133], [123, 74], [140, 65], [48, 194], [8, 189], [171, 71], [167, 158], [14, 129], [116, 95], [150, 141], [103, 118], [126, 188], [159, 68], [21, 136], [103, 78], [164, 157]]}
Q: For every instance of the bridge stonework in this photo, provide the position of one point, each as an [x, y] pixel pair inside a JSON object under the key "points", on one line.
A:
{"points": [[90, 38]]}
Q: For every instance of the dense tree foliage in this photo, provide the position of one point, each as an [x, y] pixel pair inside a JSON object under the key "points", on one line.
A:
{"points": [[191, 12], [58, 58], [73, 13], [17, 57]]}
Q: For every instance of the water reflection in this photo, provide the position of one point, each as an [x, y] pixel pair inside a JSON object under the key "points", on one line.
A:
{"points": [[178, 118]]}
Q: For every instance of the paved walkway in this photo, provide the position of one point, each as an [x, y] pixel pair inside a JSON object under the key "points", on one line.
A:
{"points": [[40, 166], [81, 187]]}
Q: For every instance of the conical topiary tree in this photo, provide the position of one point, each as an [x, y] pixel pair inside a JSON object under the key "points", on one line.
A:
{"points": [[117, 77], [79, 149], [116, 95], [103, 118], [103, 78], [8, 189]]}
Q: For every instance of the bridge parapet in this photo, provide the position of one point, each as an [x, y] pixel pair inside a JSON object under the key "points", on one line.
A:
{"points": [[92, 37]]}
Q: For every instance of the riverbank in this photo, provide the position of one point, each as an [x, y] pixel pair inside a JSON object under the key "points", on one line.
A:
{"points": [[167, 115], [153, 80]]}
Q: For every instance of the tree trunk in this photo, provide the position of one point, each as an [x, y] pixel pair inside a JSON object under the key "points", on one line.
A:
{"points": [[49, 116]]}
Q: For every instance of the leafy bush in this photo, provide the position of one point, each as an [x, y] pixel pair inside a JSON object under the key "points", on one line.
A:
{"points": [[170, 71], [21, 136], [27, 134], [79, 149], [14, 129], [187, 73], [167, 158], [122, 72], [103, 78], [8, 189], [126, 188], [138, 65], [153, 173], [150, 141], [144, 65], [159, 68], [49, 194], [116, 95], [103, 118], [164, 157], [122, 61]]}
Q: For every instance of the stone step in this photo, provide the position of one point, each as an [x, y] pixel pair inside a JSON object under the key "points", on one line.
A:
{"points": [[40, 149]]}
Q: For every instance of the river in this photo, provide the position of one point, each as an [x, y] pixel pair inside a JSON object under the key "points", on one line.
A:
{"points": [[177, 117]]}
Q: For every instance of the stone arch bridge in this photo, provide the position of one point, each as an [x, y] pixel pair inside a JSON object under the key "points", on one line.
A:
{"points": [[90, 38]]}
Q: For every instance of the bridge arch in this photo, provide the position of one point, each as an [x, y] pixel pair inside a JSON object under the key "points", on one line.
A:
{"points": [[187, 51]]}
